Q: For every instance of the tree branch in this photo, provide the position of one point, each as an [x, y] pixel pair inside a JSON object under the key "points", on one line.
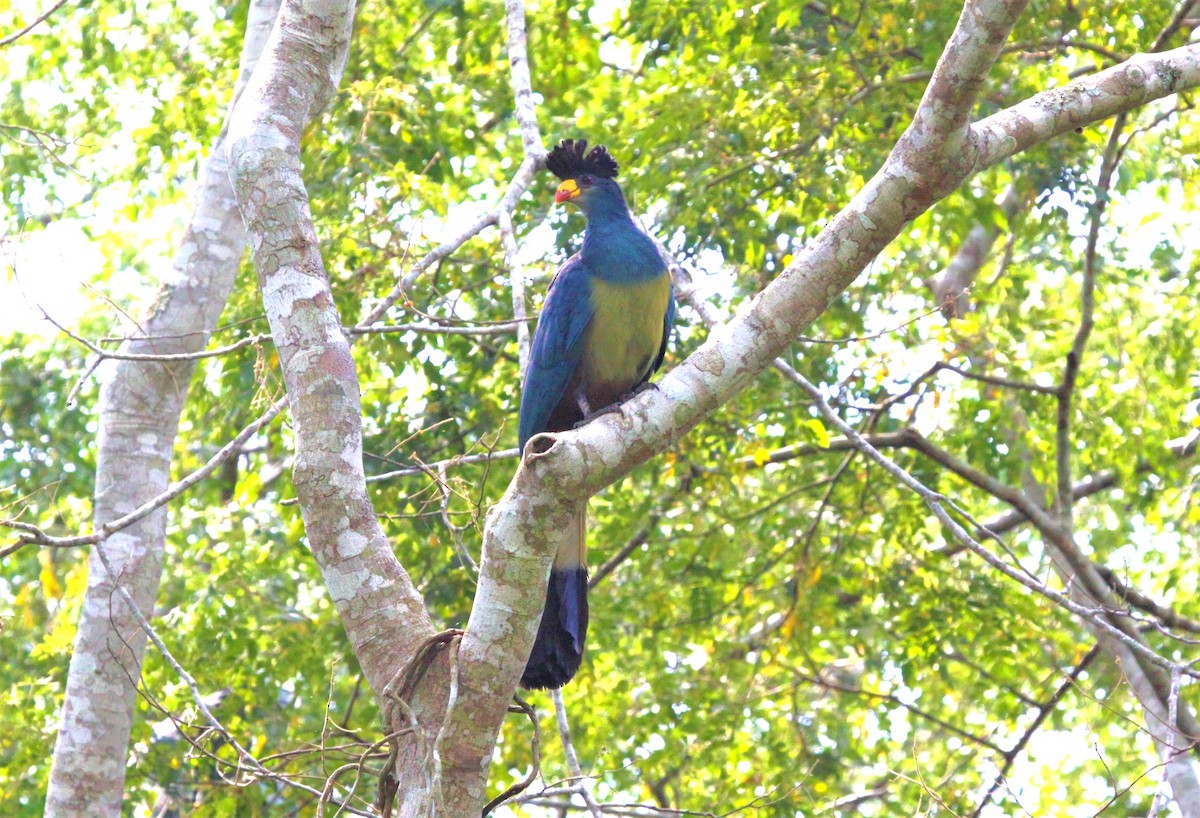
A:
{"points": [[936, 154], [16, 35], [564, 733], [1141, 79], [137, 426], [1087, 309], [516, 277], [35, 536], [383, 614], [1044, 710]]}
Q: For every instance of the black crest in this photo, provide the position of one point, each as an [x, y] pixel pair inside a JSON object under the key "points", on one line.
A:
{"points": [[571, 159]]}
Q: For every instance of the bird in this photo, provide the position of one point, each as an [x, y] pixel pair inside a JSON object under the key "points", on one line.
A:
{"points": [[602, 333]]}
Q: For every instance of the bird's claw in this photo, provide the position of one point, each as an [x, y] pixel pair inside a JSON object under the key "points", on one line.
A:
{"points": [[637, 390], [590, 416], [616, 405]]}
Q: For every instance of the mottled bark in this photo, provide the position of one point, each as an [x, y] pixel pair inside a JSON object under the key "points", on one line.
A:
{"points": [[140, 404], [384, 616], [952, 286], [1081, 576], [443, 768], [939, 151]]}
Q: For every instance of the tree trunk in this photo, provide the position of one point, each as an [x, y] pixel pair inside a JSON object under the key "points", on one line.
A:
{"points": [[139, 409]]}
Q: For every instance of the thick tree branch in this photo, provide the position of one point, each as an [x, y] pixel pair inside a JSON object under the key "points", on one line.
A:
{"points": [[140, 406], [1142, 79], [937, 153], [384, 616]]}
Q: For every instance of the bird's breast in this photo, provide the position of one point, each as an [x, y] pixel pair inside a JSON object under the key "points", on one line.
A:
{"points": [[624, 336]]}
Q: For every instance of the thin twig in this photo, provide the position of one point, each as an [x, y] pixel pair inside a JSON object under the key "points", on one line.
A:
{"points": [[1087, 308], [198, 698], [939, 503], [498, 328], [516, 277], [457, 460], [12, 38], [520, 183], [166, 357], [996, 380], [564, 733], [1044, 710], [230, 449]]}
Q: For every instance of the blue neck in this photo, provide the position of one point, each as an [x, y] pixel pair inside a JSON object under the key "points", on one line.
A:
{"points": [[614, 247]]}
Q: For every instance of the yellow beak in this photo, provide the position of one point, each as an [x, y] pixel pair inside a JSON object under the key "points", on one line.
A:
{"points": [[567, 191]]}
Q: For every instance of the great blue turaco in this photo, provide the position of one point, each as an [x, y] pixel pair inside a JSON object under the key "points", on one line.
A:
{"points": [[602, 332]]}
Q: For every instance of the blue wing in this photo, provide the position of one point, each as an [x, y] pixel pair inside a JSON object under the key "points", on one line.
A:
{"points": [[557, 346]]}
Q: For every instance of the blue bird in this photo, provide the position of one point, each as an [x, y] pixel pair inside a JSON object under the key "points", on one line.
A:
{"points": [[602, 332]]}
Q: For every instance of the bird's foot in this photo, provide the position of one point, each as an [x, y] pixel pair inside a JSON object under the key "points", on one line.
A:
{"points": [[637, 390], [590, 416]]}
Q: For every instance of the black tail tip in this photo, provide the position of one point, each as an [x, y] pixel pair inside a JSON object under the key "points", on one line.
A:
{"points": [[549, 675], [558, 649]]}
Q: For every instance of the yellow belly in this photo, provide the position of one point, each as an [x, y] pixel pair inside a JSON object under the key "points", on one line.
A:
{"points": [[624, 337]]}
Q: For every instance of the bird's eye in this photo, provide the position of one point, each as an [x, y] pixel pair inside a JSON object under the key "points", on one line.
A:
{"points": [[586, 179]]}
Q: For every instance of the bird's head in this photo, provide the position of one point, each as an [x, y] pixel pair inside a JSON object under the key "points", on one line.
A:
{"points": [[587, 177]]}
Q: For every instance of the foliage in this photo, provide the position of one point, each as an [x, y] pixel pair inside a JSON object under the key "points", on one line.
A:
{"points": [[789, 634]]}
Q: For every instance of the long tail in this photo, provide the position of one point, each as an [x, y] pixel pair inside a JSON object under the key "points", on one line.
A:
{"points": [[558, 648]]}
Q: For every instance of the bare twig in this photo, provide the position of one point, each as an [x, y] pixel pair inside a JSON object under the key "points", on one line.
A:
{"points": [[440, 465], [516, 277], [1044, 710], [804, 678], [455, 531], [499, 328], [1164, 614], [103, 354], [996, 380], [535, 155], [35, 536], [244, 756], [12, 38], [939, 503], [564, 733], [1087, 307]]}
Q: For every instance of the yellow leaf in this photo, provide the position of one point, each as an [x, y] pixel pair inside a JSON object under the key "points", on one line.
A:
{"points": [[50, 584], [762, 456], [819, 432]]}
